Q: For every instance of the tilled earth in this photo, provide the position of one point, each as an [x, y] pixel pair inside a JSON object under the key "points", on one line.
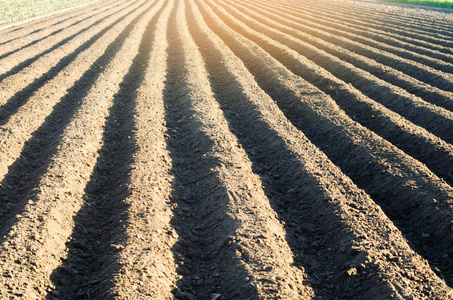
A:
{"points": [[225, 149]]}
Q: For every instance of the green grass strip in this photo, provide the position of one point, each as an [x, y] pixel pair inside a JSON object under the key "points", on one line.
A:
{"points": [[12, 11], [436, 3]]}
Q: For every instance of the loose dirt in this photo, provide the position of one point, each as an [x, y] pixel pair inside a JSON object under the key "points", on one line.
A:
{"points": [[219, 149]]}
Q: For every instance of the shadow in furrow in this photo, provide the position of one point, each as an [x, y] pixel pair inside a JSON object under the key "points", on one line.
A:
{"points": [[51, 34], [367, 85], [37, 41], [283, 178], [291, 192], [25, 173], [402, 214], [99, 225], [414, 204], [387, 35], [20, 98], [336, 48], [418, 146], [407, 215], [424, 69], [424, 34], [200, 216], [279, 173]]}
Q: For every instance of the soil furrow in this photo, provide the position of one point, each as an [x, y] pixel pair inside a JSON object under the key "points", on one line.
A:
{"points": [[384, 32], [333, 46], [148, 268], [427, 116], [52, 23], [49, 36], [29, 75], [411, 20], [98, 233], [68, 78], [428, 29], [430, 22], [422, 44], [442, 42], [55, 20], [416, 21], [372, 49], [22, 59], [27, 27], [45, 225], [369, 13], [222, 215], [219, 149], [383, 42], [303, 185], [397, 37], [420, 18], [411, 139], [420, 202]]}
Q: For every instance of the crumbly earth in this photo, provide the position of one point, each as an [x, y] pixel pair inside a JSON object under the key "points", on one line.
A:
{"points": [[220, 149]]}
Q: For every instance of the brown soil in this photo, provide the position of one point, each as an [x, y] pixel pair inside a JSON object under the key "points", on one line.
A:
{"points": [[219, 149]]}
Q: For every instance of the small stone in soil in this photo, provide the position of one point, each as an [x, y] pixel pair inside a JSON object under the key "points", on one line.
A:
{"points": [[268, 269], [352, 271], [216, 296]]}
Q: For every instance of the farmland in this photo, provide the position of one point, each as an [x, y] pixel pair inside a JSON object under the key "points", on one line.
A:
{"points": [[19, 10], [440, 3], [219, 149]]}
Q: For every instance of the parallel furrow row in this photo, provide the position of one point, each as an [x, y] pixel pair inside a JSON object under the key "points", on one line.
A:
{"points": [[98, 235], [33, 68], [398, 17], [422, 67], [427, 34], [369, 160], [51, 204], [420, 143], [53, 96], [219, 149], [333, 46], [229, 234], [395, 33], [30, 28], [264, 70], [50, 33], [147, 247]]}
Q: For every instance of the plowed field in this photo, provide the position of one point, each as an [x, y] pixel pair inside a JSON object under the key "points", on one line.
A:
{"points": [[220, 149]]}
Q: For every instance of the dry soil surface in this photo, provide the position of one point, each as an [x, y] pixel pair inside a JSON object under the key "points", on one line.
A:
{"points": [[220, 149]]}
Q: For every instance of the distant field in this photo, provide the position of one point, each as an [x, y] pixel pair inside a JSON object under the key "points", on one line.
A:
{"points": [[18, 10], [445, 3]]}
